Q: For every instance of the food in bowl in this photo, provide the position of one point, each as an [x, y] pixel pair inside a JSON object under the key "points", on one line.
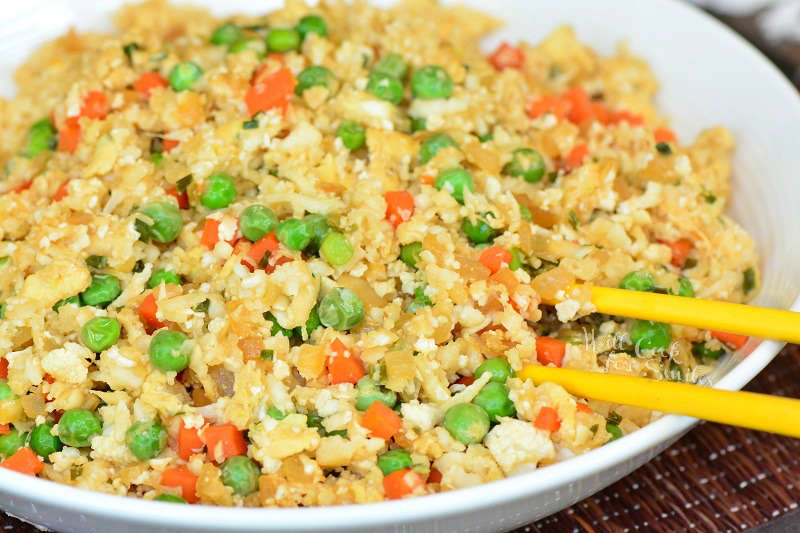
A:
{"points": [[297, 259]]}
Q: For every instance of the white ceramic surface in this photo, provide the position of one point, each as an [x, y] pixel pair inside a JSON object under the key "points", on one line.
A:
{"points": [[709, 76]]}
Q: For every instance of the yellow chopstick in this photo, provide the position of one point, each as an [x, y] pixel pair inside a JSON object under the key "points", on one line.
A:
{"points": [[762, 322], [746, 409]]}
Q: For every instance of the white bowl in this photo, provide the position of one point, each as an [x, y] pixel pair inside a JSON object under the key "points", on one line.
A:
{"points": [[709, 76]]}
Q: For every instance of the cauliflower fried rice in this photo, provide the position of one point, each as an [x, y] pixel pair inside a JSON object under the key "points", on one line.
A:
{"points": [[297, 259]]}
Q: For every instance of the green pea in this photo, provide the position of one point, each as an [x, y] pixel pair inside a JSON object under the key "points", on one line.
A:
{"points": [[43, 442], [517, 259], [418, 124], [525, 213], [294, 233], [336, 249], [702, 351], [526, 164], [494, 399], [227, 33], [283, 40], [77, 427], [276, 328], [249, 43], [312, 24], [498, 367], [431, 82], [314, 76], [454, 181], [394, 460], [409, 253], [319, 229], [685, 288], [72, 300], [341, 309], [164, 276], [467, 423], [170, 351], [649, 335], [420, 300], [100, 333], [486, 137], [385, 87], [220, 191], [12, 442], [614, 431], [392, 65], [312, 323], [638, 280], [170, 498], [257, 221], [479, 232], [5, 391], [41, 136], [103, 290], [183, 75], [165, 223], [431, 146], [369, 392], [241, 474], [352, 134], [146, 440]]}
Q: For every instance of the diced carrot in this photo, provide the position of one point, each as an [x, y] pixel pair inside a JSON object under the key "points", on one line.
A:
{"points": [[555, 105], [401, 483], [583, 408], [189, 442], [181, 197], [271, 91], [381, 420], [223, 441], [600, 112], [48, 379], [61, 192], [69, 135], [5, 429], [680, 251], [168, 145], [434, 476], [399, 206], [581, 109], [732, 339], [267, 244], [426, 179], [147, 311], [181, 476], [550, 350], [3, 368], [507, 56], [24, 461], [664, 135], [210, 236], [273, 264], [623, 115], [465, 380], [494, 258], [24, 186], [343, 365], [95, 105], [576, 156], [547, 419], [148, 82]]}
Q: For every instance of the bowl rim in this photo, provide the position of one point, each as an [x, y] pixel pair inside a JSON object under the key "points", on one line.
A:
{"points": [[47, 493]]}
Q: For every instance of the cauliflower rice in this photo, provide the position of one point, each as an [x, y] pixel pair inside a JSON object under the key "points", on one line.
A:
{"points": [[260, 404]]}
